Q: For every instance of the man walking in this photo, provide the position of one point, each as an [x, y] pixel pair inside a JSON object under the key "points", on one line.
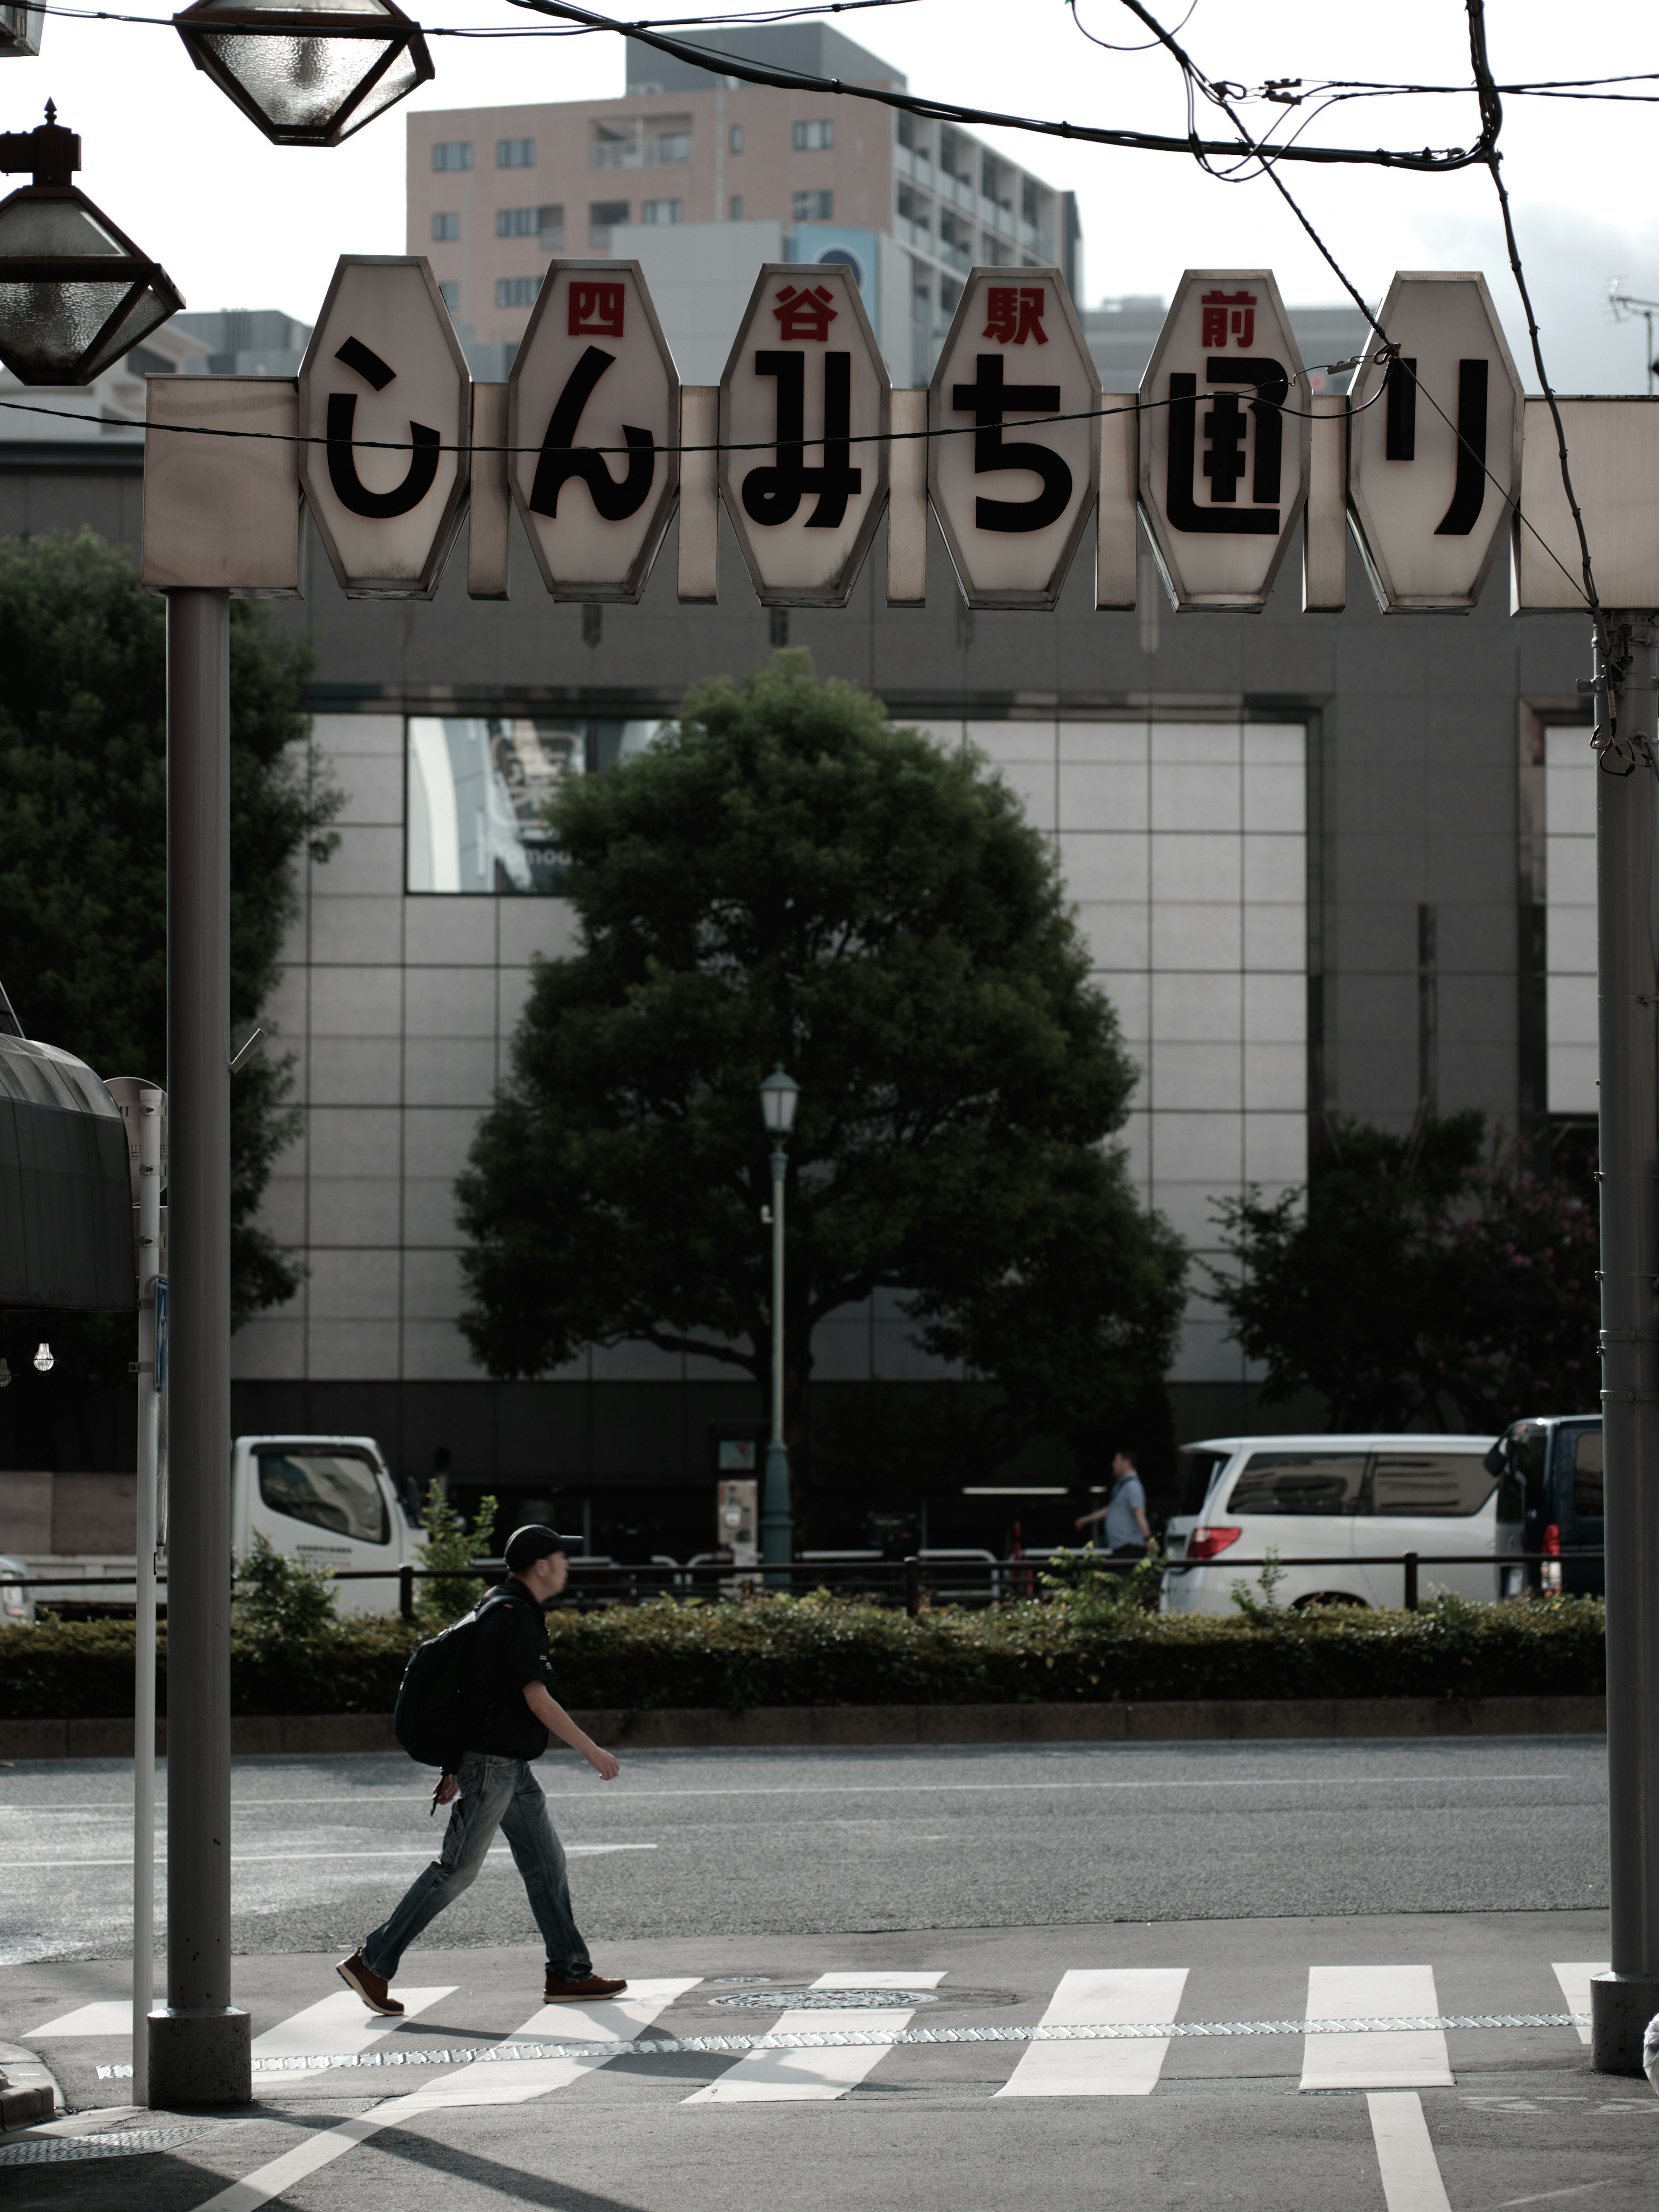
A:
{"points": [[510, 1715], [1127, 1532]]}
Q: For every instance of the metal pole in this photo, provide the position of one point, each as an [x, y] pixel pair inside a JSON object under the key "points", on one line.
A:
{"points": [[777, 1518], [150, 1107], [199, 2050], [1624, 2000]]}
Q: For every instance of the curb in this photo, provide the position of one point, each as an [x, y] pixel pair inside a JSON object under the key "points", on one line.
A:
{"points": [[1197, 1720], [28, 2090]]}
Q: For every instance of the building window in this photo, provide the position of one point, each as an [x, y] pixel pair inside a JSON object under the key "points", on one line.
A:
{"points": [[518, 222], [673, 146], [516, 152], [478, 791], [814, 206], [445, 229], [603, 216], [457, 154], [550, 229], [734, 207], [517, 291], [450, 296], [735, 141], [814, 137], [663, 211]]}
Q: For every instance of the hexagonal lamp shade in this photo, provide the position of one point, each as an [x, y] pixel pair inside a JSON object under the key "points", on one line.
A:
{"points": [[308, 72], [76, 293]]}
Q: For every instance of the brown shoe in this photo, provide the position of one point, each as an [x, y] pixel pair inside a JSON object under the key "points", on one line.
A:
{"points": [[369, 1986], [561, 1992]]}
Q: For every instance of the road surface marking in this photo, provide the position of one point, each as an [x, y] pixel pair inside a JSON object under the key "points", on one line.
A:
{"points": [[513, 2080], [1411, 2058], [304, 1858], [793, 2076], [1405, 2156], [342, 2024], [1088, 1997], [108, 2016], [1574, 1976]]}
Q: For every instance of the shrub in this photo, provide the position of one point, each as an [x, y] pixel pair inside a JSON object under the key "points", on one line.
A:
{"points": [[451, 1543], [821, 1651]]}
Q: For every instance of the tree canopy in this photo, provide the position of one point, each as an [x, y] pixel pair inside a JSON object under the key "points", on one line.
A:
{"points": [[1434, 1275], [785, 877], [83, 837]]}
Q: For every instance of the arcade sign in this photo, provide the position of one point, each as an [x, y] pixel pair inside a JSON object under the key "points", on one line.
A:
{"points": [[595, 440]]}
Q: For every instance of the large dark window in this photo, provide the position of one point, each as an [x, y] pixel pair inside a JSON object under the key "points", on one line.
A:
{"points": [[1299, 1482], [334, 1491], [1437, 1486]]}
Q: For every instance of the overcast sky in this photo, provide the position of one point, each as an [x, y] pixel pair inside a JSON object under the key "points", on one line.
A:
{"points": [[238, 223]]}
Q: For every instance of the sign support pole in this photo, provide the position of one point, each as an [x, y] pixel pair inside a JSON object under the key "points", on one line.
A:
{"points": [[150, 1107], [1624, 2000], [777, 1515], [200, 2049]]}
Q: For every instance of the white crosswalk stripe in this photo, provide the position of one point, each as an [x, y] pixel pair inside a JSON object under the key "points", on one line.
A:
{"points": [[108, 2016], [794, 2076], [1405, 2162], [1407, 2058], [1574, 1976], [1088, 1997], [514, 2080], [340, 2024]]}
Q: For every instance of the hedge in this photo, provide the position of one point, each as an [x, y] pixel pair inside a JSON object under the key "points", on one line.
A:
{"points": [[821, 1651]]}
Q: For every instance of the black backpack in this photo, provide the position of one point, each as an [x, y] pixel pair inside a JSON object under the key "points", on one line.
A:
{"points": [[430, 1717]]}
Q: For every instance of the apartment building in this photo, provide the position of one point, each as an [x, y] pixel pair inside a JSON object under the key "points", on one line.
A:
{"points": [[494, 192]]}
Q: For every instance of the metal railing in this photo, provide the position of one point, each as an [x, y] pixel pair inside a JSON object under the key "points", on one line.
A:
{"points": [[596, 1583]]}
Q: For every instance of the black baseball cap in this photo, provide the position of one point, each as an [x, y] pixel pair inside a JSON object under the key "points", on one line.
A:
{"points": [[527, 1545]]}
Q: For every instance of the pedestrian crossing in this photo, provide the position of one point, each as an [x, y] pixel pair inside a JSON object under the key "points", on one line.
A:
{"points": [[1098, 2031]]}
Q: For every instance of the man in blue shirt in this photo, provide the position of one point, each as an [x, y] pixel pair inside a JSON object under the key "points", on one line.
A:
{"points": [[1127, 1532]]}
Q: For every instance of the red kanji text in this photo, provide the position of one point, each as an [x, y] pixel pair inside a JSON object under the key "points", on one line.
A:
{"points": [[1015, 313], [596, 309], [805, 315], [1228, 314]]}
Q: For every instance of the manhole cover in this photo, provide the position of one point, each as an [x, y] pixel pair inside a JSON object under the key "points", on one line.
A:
{"points": [[830, 2000]]}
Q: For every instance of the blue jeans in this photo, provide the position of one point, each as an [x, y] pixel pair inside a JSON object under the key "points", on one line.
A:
{"points": [[494, 1793]]}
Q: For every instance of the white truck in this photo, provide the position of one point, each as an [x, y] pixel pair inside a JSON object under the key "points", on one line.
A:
{"points": [[329, 1501]]}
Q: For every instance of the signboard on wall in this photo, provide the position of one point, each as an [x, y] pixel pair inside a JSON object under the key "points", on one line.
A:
{"points": [[1012, 495], [1223, 439], [384, 392], [803, 418], [593, 423], [1434, 463]]}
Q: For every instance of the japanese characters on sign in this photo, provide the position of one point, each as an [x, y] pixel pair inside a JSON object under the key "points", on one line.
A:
{"points": [[804, 416], [1011, 488], [1224, 445], [1435, 444], [594, 420], [384, 387]]}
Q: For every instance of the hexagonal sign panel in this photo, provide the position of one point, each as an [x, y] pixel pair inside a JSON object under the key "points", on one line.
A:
{"points": [[804, 416], [384, 385], [1434, 444], [1012, 491], [594, 420], [1223, 439]]}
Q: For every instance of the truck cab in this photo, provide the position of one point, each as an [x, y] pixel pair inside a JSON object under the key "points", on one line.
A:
{"points": [[330, 1502]]}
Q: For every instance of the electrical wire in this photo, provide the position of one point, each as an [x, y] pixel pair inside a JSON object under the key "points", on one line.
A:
{"points": [[714, 58], [514, 30]]}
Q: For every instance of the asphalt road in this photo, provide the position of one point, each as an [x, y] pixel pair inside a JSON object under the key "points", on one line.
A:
{"points": [[800, 1842]]}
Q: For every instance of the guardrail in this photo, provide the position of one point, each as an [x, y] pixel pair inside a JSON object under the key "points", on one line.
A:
{"points": [[893, 1582]]}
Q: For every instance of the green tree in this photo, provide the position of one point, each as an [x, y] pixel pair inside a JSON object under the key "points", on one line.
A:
{"points": [[1430, 1277], [83, 838], [785, 878], [451, 1543]]}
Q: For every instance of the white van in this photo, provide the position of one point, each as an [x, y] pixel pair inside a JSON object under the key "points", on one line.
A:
{"points": [[329, 1501], [1338, 1501]]}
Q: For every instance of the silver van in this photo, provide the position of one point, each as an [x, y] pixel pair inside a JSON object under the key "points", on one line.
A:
{"points": [[1327, 1504]]}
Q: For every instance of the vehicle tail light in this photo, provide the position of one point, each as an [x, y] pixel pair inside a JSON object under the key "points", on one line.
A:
{"points": [[1551, 1575], [1207, 1543]]}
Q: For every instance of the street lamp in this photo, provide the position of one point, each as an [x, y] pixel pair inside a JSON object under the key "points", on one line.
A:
{"points": [[308, 72], [779, 1096], [75, 294]]}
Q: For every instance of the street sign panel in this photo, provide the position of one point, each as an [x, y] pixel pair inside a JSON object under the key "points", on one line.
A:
{"points": [[384, 384], [1012, 494], [594, 366], [804, 414], [1435, 452], [1223, 458]]}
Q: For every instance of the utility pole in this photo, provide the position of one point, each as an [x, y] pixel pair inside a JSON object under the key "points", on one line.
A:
{"points": [[1624, 2000], [200, 2049]]}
